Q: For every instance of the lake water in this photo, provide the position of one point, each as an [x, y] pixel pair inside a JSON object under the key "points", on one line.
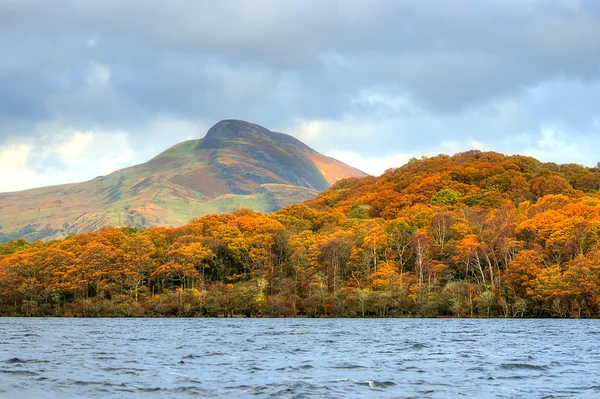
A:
{"points": [[299, 358]]}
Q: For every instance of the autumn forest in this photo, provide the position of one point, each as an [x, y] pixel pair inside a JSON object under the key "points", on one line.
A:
{"points": [[477, 234]]}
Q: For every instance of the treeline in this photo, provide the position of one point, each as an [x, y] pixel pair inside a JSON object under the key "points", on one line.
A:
{"points": [[476, 234]]}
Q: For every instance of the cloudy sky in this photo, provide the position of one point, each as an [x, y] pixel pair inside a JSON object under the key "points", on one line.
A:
{"points": [[88, 87]]}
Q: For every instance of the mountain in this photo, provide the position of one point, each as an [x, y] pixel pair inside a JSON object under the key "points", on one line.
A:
{"points": [[236, 165]]}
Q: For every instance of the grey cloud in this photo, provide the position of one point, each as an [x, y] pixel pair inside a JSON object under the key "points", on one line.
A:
{"points": [[272, 62], [446, 54]]}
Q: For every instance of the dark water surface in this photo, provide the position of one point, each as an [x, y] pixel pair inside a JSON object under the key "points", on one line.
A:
{"points": [[299, 358]]}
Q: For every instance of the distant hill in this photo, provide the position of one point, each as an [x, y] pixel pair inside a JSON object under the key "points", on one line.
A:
{"points": [[236, 165]]}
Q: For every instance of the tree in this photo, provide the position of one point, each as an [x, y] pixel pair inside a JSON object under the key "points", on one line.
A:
{"points": [[375, 244], [334, 254], [522, 272], [420, 246], [399, 236], [446, 196], [440, 229], [139, 262], [94, 266], [468, 254]]}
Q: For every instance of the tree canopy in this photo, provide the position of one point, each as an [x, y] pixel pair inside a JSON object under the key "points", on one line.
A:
{"points": [[472, 234]]}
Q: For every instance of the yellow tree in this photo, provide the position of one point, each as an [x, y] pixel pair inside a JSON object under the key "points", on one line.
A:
{"points": [[375, 245], [25, 279], [60, 265], [399, 237], [468, 254], [183, 262], [548, 288], [386, 277], [95, 263], [334, 254], [522, 272], [176, 273], [581, 285], [139, 263]]}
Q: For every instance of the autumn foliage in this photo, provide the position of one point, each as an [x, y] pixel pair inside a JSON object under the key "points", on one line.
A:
{"points": [[475, 234]]}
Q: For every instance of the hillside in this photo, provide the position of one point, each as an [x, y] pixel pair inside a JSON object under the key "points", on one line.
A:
{"points": [[473, 178], [474, 234], [236, 165]]}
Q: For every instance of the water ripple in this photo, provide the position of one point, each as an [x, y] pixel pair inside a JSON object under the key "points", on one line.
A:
{"points": [[298, 358]]}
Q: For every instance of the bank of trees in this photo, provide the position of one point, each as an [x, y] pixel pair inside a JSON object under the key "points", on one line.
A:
{"points": [[476, 234]]}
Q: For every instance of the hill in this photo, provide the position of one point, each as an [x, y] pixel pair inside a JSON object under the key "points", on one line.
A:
{"points": [[473, 234], [236, 165], [473, 178]]}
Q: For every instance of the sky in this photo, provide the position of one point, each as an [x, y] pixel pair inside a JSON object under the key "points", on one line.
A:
{"points": [[89, 87]]}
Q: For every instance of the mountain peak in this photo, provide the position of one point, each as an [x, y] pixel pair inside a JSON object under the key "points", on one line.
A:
{"points": [[236, 125], [233, 129]]}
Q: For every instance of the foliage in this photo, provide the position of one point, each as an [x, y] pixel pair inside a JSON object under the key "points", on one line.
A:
{"points": [[475, 234]]}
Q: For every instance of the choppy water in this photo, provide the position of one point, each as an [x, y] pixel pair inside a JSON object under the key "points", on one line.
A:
{"points": [[299, 358]]}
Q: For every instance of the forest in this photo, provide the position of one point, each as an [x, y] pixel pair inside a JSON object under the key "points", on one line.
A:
{"points": [[476, 234]]}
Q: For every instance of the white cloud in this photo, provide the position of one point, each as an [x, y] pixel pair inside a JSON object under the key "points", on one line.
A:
{"points": [[71, 150], [307, 131], [379, 164], [554, 145], [172, 128], [15, 173], [70, 156], [371, 165]]}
